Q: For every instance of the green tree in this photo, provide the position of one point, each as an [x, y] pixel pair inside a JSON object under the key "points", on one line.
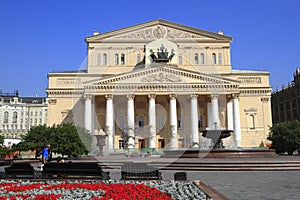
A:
{"points": [[285, 137], [65, 139], [1, 140]]}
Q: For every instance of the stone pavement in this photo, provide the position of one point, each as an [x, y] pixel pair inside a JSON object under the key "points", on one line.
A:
{"points": [[234, 185]]}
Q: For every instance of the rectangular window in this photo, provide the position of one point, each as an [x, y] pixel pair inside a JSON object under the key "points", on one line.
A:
{"points": [[196, 59], [98, 59], [220, 59], [116, 59], [202, 58], [138, 58], [104, 59], [122, 59], [180, 59]]}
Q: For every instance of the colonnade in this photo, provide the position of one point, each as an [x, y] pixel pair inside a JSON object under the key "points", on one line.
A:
{"points": [[233, 118]]}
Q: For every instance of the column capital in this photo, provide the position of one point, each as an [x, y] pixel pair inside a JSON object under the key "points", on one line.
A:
{"points": [[130, 96], [214, 95], [172, 96], [108, 96], [151, 96], [88, 96], [235, 95], [193, 96]]}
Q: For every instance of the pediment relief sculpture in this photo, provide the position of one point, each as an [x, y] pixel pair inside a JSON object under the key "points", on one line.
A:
{"points": [[158, 32], [161, 77]]}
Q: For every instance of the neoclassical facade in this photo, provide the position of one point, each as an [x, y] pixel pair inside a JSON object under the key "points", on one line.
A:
{"points": [[19, 114], [157, 85]]}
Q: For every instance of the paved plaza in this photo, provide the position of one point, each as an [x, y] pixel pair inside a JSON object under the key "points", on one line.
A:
{"points": [[234, 185]]}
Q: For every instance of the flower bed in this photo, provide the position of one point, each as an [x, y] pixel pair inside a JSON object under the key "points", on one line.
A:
{"points": [[146, 190]]}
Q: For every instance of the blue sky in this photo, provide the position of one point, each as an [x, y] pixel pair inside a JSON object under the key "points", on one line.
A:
{"points": [[38, 37]]}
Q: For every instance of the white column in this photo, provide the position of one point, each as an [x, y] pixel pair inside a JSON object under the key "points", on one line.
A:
{"points": [[88, 112], [130, 121], [215, 111], [109, 121], [236, 120], [229, 116], [152, 121], [173, 122], [209, 117], [194, 120]]}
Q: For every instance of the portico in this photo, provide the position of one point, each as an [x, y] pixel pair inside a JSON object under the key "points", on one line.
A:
{"points": [[181, 104]]}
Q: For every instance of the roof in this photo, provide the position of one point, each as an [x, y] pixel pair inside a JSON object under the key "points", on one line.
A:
{"points": [[166, 23]]}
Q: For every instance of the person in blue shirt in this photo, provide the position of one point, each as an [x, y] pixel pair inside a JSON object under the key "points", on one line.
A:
{"points": [[45, 154]]}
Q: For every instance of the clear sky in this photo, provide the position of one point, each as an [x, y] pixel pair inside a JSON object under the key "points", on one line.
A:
{"points": [[38, 37]]}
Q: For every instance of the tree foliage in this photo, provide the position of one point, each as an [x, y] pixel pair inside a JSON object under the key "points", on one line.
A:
{"points": [[285, 137], [1, 140], [65, 139]]}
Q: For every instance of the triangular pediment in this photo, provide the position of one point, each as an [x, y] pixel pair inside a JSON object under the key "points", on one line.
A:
{"points": [[163, 77], [158, 29]]}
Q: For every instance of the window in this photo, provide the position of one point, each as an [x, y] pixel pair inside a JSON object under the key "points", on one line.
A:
{"points": [[138, 58], [200, 121], [196, 59], [116, 59], [202, 58], [252, 122], [104, 59], [220, 59], [35, 113], [15, 117], [31, 113], [214, 61], [98, 59], [180, 122], [122, 59], [5, 120], [180, 59], [41, 113], [41, 121], [141, 122]]}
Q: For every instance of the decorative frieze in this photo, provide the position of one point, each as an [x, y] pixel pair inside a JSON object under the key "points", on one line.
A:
{"points": [[158, 32], [250, 80], [68, 81], [161, 77]]}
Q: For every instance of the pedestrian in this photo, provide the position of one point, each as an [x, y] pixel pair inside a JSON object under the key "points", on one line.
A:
{"points": [[45, 154]]}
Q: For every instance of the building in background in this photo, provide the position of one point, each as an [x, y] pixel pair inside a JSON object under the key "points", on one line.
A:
{"points": [[286, 102], [157, 85], [19, 114]]}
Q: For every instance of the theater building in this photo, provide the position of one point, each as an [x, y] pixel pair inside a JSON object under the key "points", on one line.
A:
{"points": [[157, 85]]}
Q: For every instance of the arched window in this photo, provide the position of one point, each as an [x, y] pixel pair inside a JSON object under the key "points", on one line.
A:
{"points": [[161, 122], [122, 59], [202, 58], [180, 125], [138, 57], [5, 119], [141, 122], [15, 117], [196, 59], [116, 59], [220, 59], [214, 59], [180, 59], [98, 59], [104, 59]]}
